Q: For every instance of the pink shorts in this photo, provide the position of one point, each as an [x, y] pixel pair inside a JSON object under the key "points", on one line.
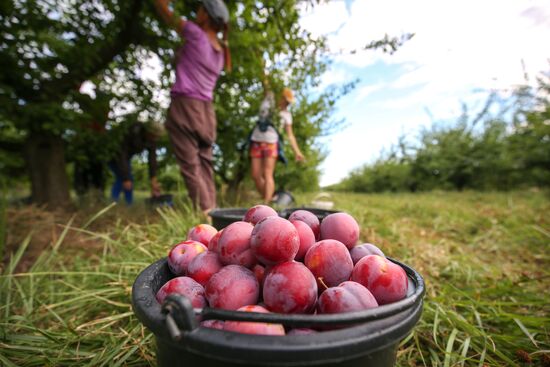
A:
{"points": [[263, 150]]}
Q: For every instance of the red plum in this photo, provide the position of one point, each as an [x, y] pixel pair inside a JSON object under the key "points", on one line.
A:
{"points": [[387, 281], [347, 297], [342, 227], [203, 266], [258, 212], [360, 251], [234, 245], [181, 255], [290, 287], [330, 263], [306, 236], [308, 218], [202, 233], [274, 240], [260, 328], [232, 287], [186, 287]]}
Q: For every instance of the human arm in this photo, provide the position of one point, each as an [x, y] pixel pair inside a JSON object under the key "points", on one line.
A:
{"points": [[264, 74], [168, 16], [293, 144]]}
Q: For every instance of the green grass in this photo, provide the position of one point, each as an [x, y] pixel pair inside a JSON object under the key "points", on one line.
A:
{"points": [[485, 258]]}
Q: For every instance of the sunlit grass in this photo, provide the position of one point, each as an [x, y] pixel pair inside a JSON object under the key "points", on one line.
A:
{"points": [[485, 258]]}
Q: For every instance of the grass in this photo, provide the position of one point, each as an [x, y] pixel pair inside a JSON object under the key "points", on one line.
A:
{"points": [[484, 257]]}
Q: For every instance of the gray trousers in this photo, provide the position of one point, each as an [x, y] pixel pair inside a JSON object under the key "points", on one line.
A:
{"points": [[191, 126]]}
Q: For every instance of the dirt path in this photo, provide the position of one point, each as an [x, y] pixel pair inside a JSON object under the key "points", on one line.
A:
{"points": [[45, 228]]}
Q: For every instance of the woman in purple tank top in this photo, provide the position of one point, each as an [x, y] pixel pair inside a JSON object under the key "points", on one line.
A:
{"points": [[191, 121]]}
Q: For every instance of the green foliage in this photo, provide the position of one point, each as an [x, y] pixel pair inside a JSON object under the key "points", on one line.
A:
{"points": [[48, 48], [269, 34], [506, 151]]}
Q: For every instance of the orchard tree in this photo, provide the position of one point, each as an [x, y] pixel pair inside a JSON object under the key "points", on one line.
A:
{"points": [[48, 48]]}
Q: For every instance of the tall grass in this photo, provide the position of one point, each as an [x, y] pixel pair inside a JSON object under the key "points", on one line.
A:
{"points": [[2, 221], [76, 310], [484, 257]]}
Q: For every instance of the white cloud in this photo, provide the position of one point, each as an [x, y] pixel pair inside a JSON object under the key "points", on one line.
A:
{"points": [[466, 41], [458, 48], [335, 76], [364, 91]]}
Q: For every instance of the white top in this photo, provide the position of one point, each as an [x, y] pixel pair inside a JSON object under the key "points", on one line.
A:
{"points": [[270, 135]]}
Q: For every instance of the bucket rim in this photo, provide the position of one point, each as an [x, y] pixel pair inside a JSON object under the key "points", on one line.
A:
{"points": [[143, 294]]}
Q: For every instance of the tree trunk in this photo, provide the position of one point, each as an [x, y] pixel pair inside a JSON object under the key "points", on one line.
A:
{"points": [[45, 155], [241, 169]]}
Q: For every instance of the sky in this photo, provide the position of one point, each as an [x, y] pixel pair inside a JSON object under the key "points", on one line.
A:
{"points": [[461, 50]]}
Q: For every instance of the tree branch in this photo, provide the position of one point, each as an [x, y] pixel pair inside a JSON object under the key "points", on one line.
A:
{"points": [[127, 28]]}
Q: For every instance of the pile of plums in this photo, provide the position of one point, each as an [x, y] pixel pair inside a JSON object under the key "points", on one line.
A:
{"points": [[266, 263]]}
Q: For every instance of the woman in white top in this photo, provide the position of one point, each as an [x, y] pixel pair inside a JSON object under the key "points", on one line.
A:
{"points": [[264, 140]]}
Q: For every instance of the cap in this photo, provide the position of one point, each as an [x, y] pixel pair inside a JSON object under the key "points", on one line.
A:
{"points": [[217, 10], [288, 95]]}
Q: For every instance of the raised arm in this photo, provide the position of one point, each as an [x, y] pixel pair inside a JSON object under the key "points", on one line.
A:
{"points": [[264, 76], [168, 16]]}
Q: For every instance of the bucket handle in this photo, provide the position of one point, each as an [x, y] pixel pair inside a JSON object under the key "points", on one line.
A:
{"points": [[182, 318], [180, 315]]}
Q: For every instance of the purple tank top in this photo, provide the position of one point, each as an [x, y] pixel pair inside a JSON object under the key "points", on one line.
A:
{"points": [[198, 65]]}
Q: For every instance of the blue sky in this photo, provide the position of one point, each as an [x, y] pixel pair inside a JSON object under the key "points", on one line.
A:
{"points": [[460, 52]]}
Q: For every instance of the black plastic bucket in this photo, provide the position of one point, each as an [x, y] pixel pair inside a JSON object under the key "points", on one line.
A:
{"points": [[320, 213], [282, 198], [160, 200], [222, 217], [371, 341]]}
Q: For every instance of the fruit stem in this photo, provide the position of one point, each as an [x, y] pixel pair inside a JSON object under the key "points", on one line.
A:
{"points": [[322, 282]]}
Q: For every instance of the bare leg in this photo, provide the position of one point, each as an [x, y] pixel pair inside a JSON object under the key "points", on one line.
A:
{"points": [[257, 175], [268, 168]]}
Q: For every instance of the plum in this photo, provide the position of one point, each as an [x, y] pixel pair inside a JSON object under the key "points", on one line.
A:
{"points": [[360, 251], [347, 297], [342, 227], [213, 243], [248, 327], [306, 236], [257, 213], [259, 272], [290, 287], [203, 266], [202, 233], [181, 255], [274, 240], [213, 324], [184, 286], [385, 280], [308, 218], [330, 263], [301, 331], [234, 245], [232, 287]]}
